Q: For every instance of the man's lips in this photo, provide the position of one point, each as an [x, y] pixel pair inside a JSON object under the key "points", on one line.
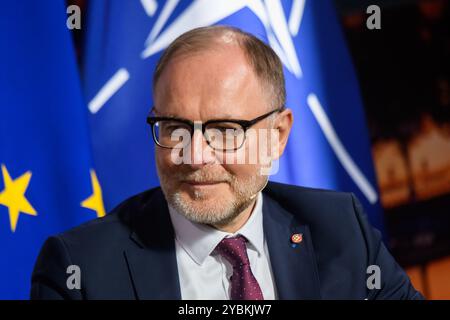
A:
{"points": [[203, 183]]}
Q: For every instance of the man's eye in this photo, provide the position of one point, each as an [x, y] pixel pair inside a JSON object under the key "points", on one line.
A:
{"points": [[225, 128], [172, 128]]}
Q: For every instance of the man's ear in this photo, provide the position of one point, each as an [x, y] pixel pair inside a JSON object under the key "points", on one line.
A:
{"points": [[283, 123]]}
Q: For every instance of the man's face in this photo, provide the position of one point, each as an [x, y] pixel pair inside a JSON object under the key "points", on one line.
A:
{"points": [[212, 84]]}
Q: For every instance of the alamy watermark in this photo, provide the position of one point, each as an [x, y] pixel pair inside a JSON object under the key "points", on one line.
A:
{"points": [[74, 19], [74, 279], [374, 20], [374, 278]]}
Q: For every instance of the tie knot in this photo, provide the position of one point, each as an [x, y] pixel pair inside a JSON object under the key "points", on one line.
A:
{"points": [[234, 250]]}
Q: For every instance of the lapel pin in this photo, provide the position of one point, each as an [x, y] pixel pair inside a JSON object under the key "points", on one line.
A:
{"points": [[296, 238]]}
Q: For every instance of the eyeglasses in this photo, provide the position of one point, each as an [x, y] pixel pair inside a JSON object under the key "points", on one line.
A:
{"points": [[220, 134]]}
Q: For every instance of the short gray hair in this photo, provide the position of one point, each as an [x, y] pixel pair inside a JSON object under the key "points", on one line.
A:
{"points": [[265, 62]]}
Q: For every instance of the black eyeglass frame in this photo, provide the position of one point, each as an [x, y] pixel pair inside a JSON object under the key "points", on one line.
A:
{"points": [[245, 124]]}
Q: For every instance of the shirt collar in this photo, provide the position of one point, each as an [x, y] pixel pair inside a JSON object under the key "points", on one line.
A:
{"points": [[199, 240]]}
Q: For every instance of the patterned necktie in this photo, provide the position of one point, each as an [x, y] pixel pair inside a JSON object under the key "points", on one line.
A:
{"points": [[244, 285]]}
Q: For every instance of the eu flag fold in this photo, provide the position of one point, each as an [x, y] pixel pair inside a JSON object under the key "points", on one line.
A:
{"points": [[47, 181]]}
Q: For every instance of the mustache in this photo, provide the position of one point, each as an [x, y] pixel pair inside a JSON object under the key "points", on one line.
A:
{"points": [[204, 176]]}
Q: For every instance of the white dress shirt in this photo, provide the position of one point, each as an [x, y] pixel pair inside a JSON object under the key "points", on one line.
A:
{"points": [[206, 276]]}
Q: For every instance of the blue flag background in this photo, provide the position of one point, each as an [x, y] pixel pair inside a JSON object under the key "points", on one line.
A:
{"points": [[44, 142], [53, 131], [329, 145]]}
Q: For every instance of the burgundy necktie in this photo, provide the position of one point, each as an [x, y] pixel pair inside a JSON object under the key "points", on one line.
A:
{"points": [[244, 285]]}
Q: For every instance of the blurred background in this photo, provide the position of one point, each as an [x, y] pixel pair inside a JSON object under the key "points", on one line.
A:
{"points": [[403, 71], [372, 107]]}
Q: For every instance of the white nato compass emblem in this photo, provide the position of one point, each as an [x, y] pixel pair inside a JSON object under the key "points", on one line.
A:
{"points": [[279, 29]]}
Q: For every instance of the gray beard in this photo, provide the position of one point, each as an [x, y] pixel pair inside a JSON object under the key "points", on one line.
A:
{"points": [[209, 215], [220, 212]]}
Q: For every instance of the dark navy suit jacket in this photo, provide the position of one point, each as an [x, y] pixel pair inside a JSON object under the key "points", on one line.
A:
{"points": [[130, 253]]}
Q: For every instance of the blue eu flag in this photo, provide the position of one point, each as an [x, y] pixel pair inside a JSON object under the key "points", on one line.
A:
{"points": [[329, 145], [47, 182]]}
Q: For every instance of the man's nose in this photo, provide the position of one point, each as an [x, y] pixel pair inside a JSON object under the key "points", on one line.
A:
{"points": [[201, 153]]}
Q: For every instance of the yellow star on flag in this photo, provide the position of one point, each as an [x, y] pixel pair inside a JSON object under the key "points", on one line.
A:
{"points": [[13, 196], [95, 201]]}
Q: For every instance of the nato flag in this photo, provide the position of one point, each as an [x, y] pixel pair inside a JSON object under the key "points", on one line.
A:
{"points": [[329, 145]]}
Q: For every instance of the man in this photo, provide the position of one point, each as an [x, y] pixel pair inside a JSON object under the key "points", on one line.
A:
{"points": [[216, 229]]}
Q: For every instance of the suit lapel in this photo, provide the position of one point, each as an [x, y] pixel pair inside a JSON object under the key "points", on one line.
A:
{"points": [[152, 263], [153, 266], [294, 267]]}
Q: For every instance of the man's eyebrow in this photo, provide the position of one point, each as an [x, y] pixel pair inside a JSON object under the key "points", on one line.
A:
{"points": [[175, 117], [171, 117], [158, 114], [225, 116], [168, 116]]}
